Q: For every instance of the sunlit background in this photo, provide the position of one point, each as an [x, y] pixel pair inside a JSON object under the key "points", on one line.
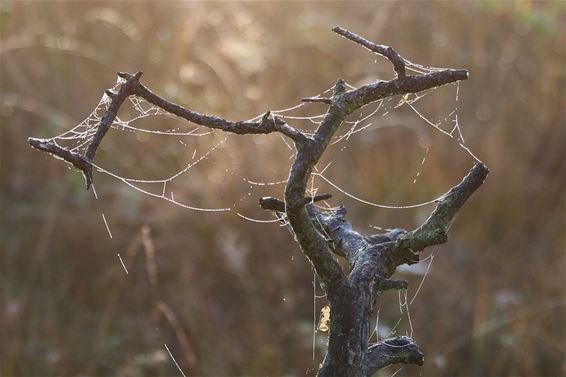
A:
{"points": [[232, 297]]}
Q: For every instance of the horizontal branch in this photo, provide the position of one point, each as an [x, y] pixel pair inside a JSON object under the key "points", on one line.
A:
{"points": [[325, 100], [398, 350], [274, 204], [395, 59], [366, 94], [131, 86], [268, 124]]}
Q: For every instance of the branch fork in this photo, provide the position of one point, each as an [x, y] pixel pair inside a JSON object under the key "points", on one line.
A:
{"points": [[372, 259]]}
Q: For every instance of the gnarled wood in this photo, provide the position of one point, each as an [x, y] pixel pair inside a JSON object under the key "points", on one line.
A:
{"points": [[372, 259]]}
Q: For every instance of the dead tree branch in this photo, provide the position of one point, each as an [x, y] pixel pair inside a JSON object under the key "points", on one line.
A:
{"points": [[395, 59], [78, 161], [325, 100], [132, 86], [434, 230], [372, 259], [397, 350]]}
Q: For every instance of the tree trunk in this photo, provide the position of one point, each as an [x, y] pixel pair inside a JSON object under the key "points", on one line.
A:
{"points": [[350, 309]]}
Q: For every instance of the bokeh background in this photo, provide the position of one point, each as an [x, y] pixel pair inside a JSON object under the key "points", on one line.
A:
{"points": [[234, 298]]}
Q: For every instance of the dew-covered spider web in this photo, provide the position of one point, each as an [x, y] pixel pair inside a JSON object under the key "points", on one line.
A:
{"points": [[305, 117]]}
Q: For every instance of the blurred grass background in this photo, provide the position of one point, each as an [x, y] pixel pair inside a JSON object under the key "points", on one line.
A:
{"points": [[234, 298]]}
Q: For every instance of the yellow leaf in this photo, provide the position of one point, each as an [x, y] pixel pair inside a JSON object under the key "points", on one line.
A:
{"points": [[324, 319]]}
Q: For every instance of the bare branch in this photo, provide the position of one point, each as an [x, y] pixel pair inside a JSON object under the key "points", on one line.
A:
{"points": [[325, 100], [125, 90], [274, 204], [433, 230], [373, 259], [401, 349], [75, 159], [268, 124], [391, 284], [132, 86], [386, 51], [366, 94]]}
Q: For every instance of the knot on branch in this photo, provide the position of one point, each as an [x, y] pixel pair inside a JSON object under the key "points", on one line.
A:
{"points": [[271, 122], [339, 87], [131, 86], [129, 77]]}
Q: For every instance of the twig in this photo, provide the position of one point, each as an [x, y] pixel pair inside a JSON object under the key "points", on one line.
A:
{"points": [[132, 86], [397, 61], [433, 230], [73, 158], [325, 100], [273, 204]]}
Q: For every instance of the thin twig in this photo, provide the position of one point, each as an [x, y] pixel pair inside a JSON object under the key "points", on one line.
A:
{"points": [[325, 100], [397, 61]]}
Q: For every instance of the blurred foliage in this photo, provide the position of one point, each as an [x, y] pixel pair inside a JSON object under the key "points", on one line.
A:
{"points": [[230, 297]]}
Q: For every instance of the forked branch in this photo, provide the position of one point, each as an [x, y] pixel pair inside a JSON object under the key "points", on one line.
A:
{"points": [[132, 86], [323, 238]]}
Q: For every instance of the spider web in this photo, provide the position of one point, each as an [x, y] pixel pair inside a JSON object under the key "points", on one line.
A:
{"points": [[79, 137], [301, 117]]}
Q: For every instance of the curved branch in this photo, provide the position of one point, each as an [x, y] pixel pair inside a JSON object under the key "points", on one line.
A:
{"points": [[433, 230], [132, 86], [395, 59], [401, 349], [313, 244], [372, 259], [73, 158], [401, 85], [366, 94], [268, 123]]}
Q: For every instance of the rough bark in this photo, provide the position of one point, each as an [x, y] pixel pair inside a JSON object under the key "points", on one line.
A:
{"points": [[373, 259]]}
